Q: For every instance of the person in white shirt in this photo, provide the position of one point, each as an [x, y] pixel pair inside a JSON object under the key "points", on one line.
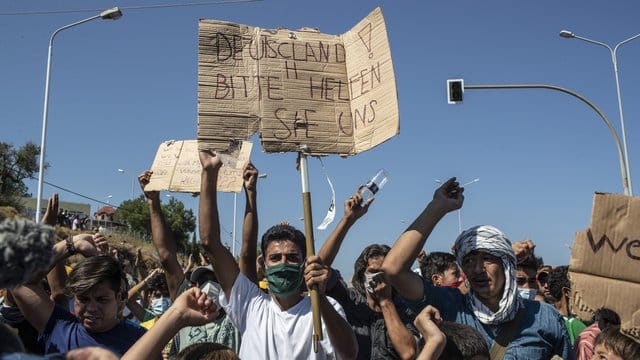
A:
{"points": [[277, 325]]}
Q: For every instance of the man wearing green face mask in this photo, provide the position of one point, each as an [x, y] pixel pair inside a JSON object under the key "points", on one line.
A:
{"points": [[277, 325]]}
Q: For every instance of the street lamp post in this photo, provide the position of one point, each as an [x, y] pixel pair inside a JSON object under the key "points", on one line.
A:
{"points": [[113, 14], [122, 171], [569, 35], [235, 201]]}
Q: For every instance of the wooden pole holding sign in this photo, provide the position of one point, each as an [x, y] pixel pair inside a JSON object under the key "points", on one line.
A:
{"points": [[308, 231]]}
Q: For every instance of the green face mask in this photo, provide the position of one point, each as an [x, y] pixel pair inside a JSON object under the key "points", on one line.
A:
{"points": [[284, 279]]}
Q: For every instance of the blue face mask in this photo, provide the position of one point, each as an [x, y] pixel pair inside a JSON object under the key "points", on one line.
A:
{"points": [[160, 305], [529, 294]]}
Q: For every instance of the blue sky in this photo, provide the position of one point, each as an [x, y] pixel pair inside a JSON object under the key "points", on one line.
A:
{"points": [[120, 88]]}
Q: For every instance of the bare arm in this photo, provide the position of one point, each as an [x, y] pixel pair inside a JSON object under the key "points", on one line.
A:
{"points": [[189, 264], [33, 301], [136, 309], [340, 333], [135, 289], [209, 224], [250, 224], [402, 339], [34, 304], [397, 263], [434, 340], [57, 277], [191, 308], [162, 239], [352, 212]]}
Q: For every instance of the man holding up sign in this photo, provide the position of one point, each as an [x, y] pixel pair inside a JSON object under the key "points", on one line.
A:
{"points": [[276, 325]]}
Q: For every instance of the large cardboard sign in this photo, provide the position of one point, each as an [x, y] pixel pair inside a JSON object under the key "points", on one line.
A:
{"points": [[605, 261], [176, 167], [333, 93]]}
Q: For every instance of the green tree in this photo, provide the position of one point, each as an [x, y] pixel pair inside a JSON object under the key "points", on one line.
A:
{"points": [[180, 221], [16, 165]]}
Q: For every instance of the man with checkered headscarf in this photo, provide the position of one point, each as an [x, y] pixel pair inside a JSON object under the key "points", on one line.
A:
{"points": [[536, 330]]}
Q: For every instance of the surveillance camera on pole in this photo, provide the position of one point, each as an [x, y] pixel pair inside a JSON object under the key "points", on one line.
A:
{"points": [[455, 91]]}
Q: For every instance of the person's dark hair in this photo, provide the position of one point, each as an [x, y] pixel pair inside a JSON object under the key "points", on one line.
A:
{"points": [[531, 262], [559, 279], [10, 342], [359, 267], [94, 270], [436, 262], [463, 342], [25, 250], [284, 232], [620, 344], [207, 351], [158, 282], [606, 317]]}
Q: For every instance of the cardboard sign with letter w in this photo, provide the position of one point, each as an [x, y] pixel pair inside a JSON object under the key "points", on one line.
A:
{"points": [[605, 261]]}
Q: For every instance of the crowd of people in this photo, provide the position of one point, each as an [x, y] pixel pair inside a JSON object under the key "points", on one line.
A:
{"points": [[489, 298], [74, 221]]}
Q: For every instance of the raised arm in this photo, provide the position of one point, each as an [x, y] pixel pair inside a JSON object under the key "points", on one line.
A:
{"points": [[397, 263], [340, 333], [34, 303], [162, 239], [57, 277], [434, 340], [352, 212], [191, 308], [209, 224], [402, 339], [250, 224]]}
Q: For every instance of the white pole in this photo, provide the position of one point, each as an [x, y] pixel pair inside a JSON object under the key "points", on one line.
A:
{"points": [[613, 51], [43, 139], [233, 239], [113, 13]]}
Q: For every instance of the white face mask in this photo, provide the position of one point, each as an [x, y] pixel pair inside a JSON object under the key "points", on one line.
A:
{"points": [[529, 294], [212, 289]]}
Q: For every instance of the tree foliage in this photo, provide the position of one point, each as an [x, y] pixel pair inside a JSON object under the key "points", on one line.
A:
{"points": [[16, 165], [179, 220]]}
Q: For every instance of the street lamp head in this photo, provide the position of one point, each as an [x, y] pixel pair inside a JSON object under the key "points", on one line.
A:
{"points": [[567, 34], [262, 176], [111, 14]]}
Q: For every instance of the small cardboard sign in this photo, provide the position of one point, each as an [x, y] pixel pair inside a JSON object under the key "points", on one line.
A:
{"points": [[605, 260], [332, 93], [176, 167]]}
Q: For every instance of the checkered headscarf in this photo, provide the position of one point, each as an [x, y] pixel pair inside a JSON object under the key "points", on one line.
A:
{"points": [[491, 240]]}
